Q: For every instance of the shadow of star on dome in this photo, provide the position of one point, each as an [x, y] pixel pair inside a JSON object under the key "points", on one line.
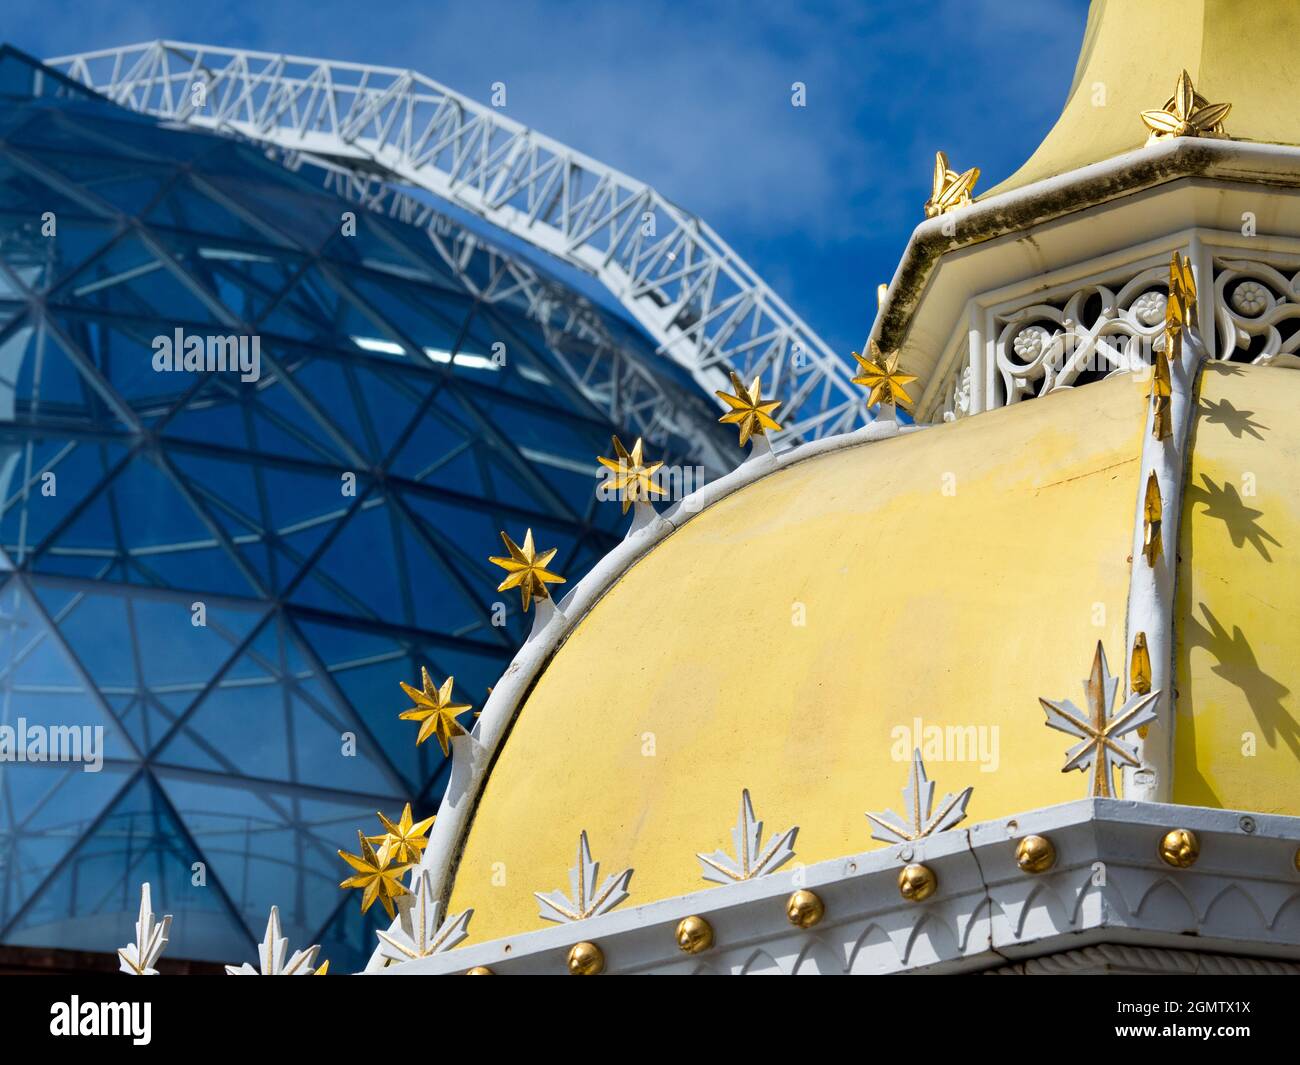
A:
{"points": [[1225, 504], [1237, 665], [1234, 420]]}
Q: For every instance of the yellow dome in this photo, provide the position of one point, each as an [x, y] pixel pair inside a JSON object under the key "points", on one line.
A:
{"points": [[791, 637], [1133, 51]]}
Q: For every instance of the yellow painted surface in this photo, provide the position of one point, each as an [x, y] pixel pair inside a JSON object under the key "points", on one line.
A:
{"points": [[1238, 601], [690, 679], [1237, 51]]}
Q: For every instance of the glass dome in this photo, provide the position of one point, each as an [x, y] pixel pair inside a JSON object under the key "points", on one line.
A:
{"points": [[229, 573]]}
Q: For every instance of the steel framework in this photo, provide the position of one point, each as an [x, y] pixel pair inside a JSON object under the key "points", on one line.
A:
{"points": [[703, 306]]}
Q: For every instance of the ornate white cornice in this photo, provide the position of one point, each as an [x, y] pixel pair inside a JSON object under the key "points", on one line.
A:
{"points": [[1019, 211], [1108, 884]]}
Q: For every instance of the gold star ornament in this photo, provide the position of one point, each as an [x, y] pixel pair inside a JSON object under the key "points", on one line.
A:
{"points": [[526, 569], [406, 838], [881, 375], [631, 478], [378, 876], [950, 189], [435, 711], [748, 408], [1186, 114]]}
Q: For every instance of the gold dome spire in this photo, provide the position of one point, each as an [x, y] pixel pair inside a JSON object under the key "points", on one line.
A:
{"points": [[1133, 52]]}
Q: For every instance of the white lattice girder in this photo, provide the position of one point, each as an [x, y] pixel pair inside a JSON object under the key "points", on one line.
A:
{"points": [[699, 301]]}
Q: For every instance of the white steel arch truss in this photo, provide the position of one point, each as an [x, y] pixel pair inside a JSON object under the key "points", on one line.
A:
{"points": [[699, 301]]}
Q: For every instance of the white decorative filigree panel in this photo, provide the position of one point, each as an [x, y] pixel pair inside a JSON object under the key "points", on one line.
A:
{"points": [[1092, 332], [1062, 334], [1256, 310]]}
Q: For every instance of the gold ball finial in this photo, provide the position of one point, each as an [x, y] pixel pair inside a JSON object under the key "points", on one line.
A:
{"points": [[1180, 848], [804, 908], [694, 935], [480, 970], [586, 959], [1035, 854], [917, 882]]}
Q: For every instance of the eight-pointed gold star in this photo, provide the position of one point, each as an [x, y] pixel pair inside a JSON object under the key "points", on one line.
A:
{"points": [[378, 875], [526, 569], [632, 478], [1186, 114], [880, 373], [748, 408], [406, 838], [435, 711]]}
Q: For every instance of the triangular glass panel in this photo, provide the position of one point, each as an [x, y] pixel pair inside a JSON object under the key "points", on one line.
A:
{"points": [[129, 279], [120, 360], [93, 900], [145, 652], [41, 686], [140, 528], [429, 318], [41, 382], [369, 411], [126, 183], [262, 418], [291, 205], [368, 664], [382, 568], [188, 208], [42, 480], [272, 845], [276, 517], [273, 716], [45, 810]]}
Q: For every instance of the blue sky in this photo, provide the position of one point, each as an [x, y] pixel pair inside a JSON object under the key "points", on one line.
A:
{"points": [[693, 96]]}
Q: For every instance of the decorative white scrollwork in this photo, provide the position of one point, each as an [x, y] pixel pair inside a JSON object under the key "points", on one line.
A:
{"points": [[1256, 311], [1094, 332]]}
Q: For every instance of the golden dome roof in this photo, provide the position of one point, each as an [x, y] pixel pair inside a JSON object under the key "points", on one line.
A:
{"points": [[802, 634], [1132, 53]]}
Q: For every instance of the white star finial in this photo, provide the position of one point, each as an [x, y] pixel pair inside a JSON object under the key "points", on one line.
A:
{"points": [[751, 858], [271, 954], [140, 957], [587, 901], [918, 802]]}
